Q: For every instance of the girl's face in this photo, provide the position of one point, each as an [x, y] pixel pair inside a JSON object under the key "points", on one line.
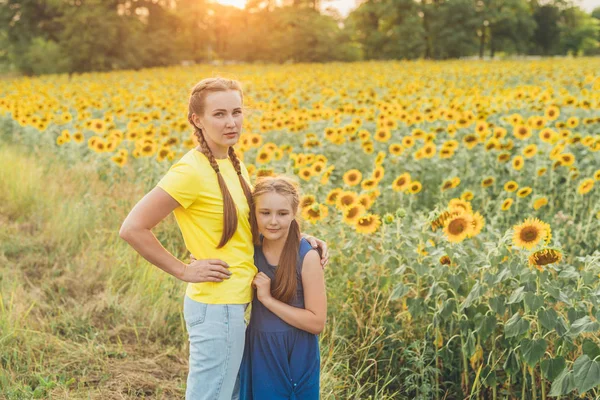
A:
{"points": [[274, 215], [221, 123]]}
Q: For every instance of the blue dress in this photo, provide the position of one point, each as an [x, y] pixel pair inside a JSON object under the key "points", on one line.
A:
{"points": [[280, 362]]}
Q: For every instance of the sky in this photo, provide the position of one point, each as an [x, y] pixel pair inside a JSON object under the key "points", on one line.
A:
{"points": [[589, 5], [344, 7]]}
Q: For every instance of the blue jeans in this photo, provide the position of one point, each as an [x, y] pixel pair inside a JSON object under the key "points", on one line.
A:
{"points": [[217, 335]]}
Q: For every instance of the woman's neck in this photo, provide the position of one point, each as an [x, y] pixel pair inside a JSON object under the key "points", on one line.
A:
{"points": [[218, 153]]}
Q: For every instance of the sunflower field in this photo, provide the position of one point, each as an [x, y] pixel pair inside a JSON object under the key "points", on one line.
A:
{"points": [[457, 199]]}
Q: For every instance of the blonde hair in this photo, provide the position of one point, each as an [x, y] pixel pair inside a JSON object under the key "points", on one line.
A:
{"points": [[196, 106], [286, 281]]}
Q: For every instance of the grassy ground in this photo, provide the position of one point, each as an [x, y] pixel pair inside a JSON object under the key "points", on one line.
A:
{"points": [[82, 316]]}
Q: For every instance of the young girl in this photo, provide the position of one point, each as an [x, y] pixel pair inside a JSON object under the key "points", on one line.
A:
{"points": [[281, 356], [208, 191]]}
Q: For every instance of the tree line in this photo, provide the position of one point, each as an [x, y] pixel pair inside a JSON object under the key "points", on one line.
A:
{"points": [[52, 36]]}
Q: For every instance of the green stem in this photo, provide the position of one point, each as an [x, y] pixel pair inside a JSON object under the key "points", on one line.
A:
{"points": [[533, 388], [494, 388], [524, 382], [465, 365]]}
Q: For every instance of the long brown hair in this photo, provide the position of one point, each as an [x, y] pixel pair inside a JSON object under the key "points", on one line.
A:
{"points": [[286, 281], [196, 106]]}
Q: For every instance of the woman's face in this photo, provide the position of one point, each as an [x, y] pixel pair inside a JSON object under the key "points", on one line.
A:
{"points": [[274, 215], [221, 122]]}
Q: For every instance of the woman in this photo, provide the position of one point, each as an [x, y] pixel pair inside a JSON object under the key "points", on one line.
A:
{"points": [[208, 191]]}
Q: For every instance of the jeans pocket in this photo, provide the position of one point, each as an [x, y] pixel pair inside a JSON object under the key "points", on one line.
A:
{"points": [[194, 312]]}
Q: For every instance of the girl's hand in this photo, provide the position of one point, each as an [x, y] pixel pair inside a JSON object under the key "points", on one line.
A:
{"points": [[211, 270], [262, 283]]}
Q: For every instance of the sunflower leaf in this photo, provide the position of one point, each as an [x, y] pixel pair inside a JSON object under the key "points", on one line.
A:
{"points": [[553, 367], [587, 373], [533, 350]]}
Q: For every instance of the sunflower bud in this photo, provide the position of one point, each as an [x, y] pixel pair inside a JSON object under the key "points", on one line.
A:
{"points": [[388, 219], [401, 213]]}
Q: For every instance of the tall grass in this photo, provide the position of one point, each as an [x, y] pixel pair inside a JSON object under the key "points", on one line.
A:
{"points": [[82, 316]]}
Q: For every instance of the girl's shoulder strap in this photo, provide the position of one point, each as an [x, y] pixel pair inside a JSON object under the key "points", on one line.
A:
{"points": [[305, 247]]}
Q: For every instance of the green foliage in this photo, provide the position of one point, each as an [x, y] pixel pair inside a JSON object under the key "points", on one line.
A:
{"points": [[54, 36]]}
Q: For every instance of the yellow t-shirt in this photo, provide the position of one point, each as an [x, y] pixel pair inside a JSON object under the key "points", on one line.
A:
{"points": [[193, 183]]}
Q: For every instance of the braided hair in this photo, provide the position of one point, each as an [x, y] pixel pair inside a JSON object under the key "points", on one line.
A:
{"points": [[196, 106]]}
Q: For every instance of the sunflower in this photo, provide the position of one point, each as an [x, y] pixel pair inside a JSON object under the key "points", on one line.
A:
{"points": [[499, 132], [364, 135], [380, 158], [478, 224], [567, 159], [305, 173], [366, 200], [97, 125], [470, 141], [345, 199], [518, 163], [467, 195], [544, 257], [119, 160], [408, 141], [307, 200], [460, 205], [522, 132], [530, 150], [511, 186], [332, 196], [441, 219], [503, 157], [352, 177], [487, 182], [401, 183], [429, 150], [369, 184], [315, 213], [327, 174], [597, 175], [446, 153], [446, 185], [530, 233], [540, 202], [353, 213], [378, 174], [524, 191], [263, 156], [445, 260], [552, 113], [383, 135], [396, 149], [585, 186], [262, 172], [458, 227], [573, 122], [455, 181], [506, 204], [162, 154], [368, 223], [547, 135], [516, 119], [415, 187], [318, 167]]}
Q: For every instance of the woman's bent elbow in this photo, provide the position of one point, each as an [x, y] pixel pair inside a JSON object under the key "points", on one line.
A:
{"points": [[125, 233]]}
